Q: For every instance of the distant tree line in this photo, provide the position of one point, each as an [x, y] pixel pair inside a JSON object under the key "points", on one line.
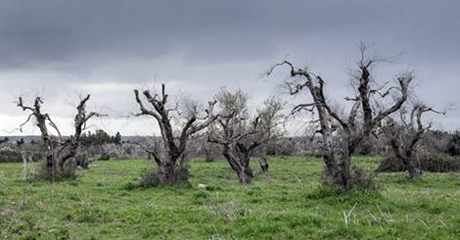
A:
{"points": [[99, 137]]}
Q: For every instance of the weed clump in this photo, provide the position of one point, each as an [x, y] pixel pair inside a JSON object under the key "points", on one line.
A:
{"points": [[47, 173], [359, 179], [362, 179], [334, 195], [151, 177], [230, 211]]}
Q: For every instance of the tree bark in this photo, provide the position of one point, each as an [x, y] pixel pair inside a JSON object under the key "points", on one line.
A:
{"points": [[344, 177], [414, 171], [245, 175], [239, 165], [175, 146], [166, 173], [263, 164], [405, 156], [354, 131], [57, 150]]}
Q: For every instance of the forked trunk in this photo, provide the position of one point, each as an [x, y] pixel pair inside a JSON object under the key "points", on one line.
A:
{"points": [[240, 166], [405, 156], [173, 171]]}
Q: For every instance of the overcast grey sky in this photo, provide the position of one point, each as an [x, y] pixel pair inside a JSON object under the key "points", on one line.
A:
{"points": [[60, 49]]}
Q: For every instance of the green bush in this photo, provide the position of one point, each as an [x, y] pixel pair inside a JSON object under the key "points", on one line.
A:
{"points": [[453, 147], [429, 162], [8, 155]]}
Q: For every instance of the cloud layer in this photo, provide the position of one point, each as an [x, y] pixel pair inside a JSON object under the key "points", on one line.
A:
{"points": [[107, 47]]}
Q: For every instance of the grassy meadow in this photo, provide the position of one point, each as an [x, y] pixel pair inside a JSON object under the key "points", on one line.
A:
{"points": [[286, 203]]}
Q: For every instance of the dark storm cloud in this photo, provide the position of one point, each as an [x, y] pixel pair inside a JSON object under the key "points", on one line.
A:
{"points": [[35, 31], [203, 44]]}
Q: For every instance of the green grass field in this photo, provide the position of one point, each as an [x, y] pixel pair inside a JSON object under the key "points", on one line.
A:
{"points": [[286, 203]]}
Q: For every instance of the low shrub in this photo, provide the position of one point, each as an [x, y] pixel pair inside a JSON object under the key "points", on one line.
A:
{"points": [[429, 162], [362, 179], [104, 157], [453, 147], [9, 155], [149, 177], [334, 195], [359, 179]]}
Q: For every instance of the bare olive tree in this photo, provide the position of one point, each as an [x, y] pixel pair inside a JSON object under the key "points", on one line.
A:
{"points": [[239, 134], [364, 116], [191, 120], [404, 136], [58, 149]]}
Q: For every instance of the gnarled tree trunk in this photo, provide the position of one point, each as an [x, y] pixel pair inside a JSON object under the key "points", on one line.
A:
{"points": [[169, 172], [240, 165], [58, 151], [354, 131], [404, 138], [240, 135]]}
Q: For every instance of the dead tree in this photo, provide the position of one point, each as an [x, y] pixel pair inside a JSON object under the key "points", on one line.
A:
{"points": [[233, 132], [365, 114], [405, 137], [238, 134], [175, 142], [58, 149]]}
